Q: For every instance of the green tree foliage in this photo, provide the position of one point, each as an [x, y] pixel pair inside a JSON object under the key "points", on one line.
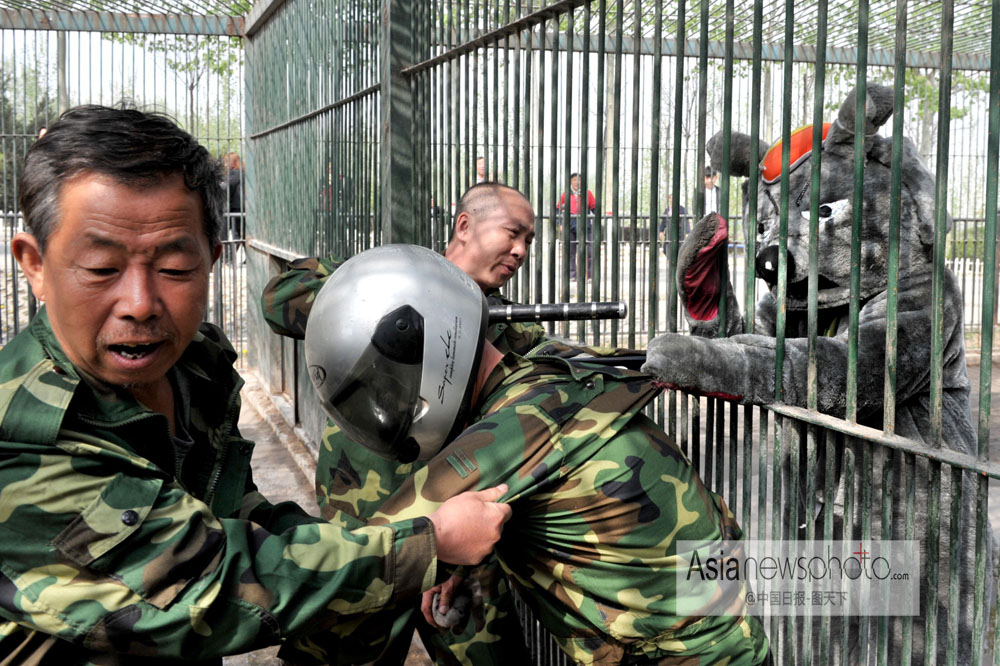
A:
{"points": [[27, 104], [192, 59]]}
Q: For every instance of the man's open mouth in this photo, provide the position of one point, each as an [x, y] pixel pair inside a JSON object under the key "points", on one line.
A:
{"points": [[135, 351]]}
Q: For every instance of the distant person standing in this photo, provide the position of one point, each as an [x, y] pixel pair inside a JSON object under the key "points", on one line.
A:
{"points": [[234, 188], [480, 170], [683, 229], [712, 202], [574, 215]]}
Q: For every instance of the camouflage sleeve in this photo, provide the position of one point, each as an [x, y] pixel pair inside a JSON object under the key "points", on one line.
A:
{"points": [[288, 296], [122, 560], [561, 348]]}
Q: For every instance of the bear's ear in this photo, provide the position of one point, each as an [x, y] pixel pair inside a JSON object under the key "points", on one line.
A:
{"points": [[878, 108], [739, 154]]}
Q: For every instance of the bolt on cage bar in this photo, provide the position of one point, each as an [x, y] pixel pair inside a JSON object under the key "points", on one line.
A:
{"points": [[626, 94]]}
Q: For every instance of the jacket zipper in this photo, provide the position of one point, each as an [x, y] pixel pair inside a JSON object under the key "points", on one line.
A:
{"points": [[227, 424]]}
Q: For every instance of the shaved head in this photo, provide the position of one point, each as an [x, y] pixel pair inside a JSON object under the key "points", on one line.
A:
{"points": [[494, 228], [480, 200]]}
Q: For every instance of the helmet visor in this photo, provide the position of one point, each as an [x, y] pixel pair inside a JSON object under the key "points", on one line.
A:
{"points": [[376, 406]]}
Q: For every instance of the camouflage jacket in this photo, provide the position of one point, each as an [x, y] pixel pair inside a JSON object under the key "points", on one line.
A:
{"points": [[601, 495], [109, 547], [288, 298]]}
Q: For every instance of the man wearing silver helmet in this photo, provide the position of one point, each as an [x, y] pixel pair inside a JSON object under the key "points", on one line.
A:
{"points": [[602, 497], [492, 235]]}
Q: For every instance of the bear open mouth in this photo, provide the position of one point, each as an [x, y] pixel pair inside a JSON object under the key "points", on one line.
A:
{"points": [[800, 290], [136, 351]]}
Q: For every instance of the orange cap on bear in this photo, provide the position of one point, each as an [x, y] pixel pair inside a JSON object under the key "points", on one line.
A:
{"points": [[800, 143]]}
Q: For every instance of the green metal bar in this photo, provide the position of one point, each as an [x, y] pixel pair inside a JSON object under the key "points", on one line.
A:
{"points": [[816, 162], [867, 499], [567, 213], [786, 130], [909, 532], [493, 123], [762, 449], [930, 452], [996, 629], [615, 236], [105, 21], [599, 185], [502, 146], [585, 180], [534, 19], [777, 508], [733, 456], [809, 519], [750, 247], [653, 281], [930, 607], [695, 453], [548, 231], [699, 197], [892, 295], [530, 270], [747, 466], [673, 228], [848, 467], [861, 87], [727, 123], [396, 50], [633, 225], [711, 423], [891, 473], [792, 503], [558, 282], [370, 91], [771, 51], [941, 221], [986, 332], [830, 455], [955, 544], [685, 424]]}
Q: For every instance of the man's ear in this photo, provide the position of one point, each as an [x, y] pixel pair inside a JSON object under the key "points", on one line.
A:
{"points": [[24, 247], [463, 226]]}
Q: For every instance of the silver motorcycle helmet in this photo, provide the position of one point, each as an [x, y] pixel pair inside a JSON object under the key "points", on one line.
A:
{"points": [[393, 345]]}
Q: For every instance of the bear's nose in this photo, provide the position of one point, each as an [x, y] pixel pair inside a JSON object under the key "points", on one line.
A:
{"points": [[767, 264]]}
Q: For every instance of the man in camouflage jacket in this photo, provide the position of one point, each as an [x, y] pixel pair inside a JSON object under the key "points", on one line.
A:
{"points": [[131, 530], [494, 226], [602, 498]]}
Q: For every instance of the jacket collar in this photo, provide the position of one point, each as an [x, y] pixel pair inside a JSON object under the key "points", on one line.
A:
{"points": [[208, 361]]}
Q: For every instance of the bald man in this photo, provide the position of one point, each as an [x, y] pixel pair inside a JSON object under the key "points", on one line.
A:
{"points": [[493, 230]]}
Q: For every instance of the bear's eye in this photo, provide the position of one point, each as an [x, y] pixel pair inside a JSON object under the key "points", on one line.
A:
{"points": [[828, 211]]}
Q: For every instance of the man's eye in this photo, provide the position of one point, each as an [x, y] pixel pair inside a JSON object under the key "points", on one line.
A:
{"points": [[102, 271], [176, 272]]}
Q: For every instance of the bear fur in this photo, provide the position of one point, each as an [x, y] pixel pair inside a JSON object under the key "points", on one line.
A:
{"points": [[741, 366]]}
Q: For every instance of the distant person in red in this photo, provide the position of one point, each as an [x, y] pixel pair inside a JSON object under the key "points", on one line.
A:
{"points": [[574, 216]]}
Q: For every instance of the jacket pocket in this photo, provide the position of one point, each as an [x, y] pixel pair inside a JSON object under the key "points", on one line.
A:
{"points": [[114, 515]]}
